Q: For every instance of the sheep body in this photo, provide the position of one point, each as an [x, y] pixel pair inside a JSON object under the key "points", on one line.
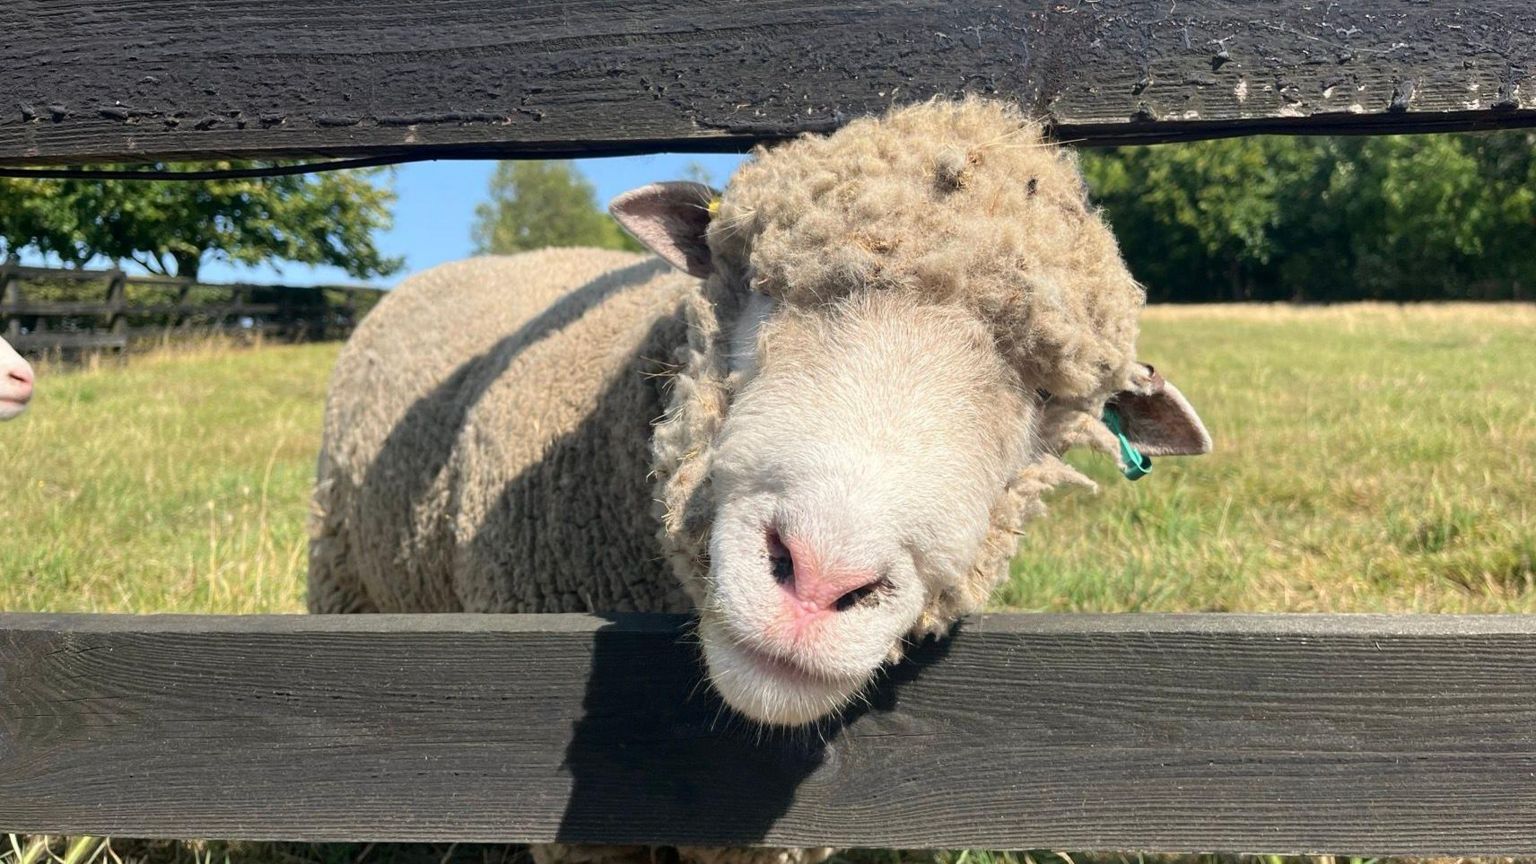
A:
{"points": [[534, 433], [488, 436], [487, 441]]}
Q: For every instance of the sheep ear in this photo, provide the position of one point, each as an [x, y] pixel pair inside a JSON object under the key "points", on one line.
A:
{"points": [[1157, 419], [669, 219]]}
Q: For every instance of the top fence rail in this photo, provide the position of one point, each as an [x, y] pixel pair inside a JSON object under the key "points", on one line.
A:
{"points": [[139, 80]]}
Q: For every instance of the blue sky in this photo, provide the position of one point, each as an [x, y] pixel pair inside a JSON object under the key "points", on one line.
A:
{"points": [[437, 204]]}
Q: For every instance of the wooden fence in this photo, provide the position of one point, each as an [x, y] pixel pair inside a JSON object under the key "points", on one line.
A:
{"points": [[1366, 734], [83, 310], [1409, 734]]}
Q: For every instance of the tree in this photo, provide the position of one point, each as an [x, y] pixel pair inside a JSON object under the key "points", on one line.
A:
{"points": [[1387, 217], [171, 227], [1197, 221], [537, 204], [697, 172]]}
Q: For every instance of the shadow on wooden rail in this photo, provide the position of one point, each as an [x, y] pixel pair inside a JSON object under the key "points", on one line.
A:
{"points": [[1288, 733]]}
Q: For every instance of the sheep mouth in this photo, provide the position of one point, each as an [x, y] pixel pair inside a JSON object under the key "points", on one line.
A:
{"points": [[784, 669], [13, 405], [781, 667], [772, 689]]}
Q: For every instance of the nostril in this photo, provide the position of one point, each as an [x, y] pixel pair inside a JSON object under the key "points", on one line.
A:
{"points": [[782, 562], [864, 595], [22, 374], [813, 588]]}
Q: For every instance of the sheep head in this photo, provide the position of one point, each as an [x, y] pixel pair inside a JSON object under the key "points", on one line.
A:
{"points": [[15, 382], [901, 327]]}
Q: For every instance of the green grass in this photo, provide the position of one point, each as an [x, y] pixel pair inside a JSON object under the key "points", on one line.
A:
{"points": [[177, 482], [1367, 458]]}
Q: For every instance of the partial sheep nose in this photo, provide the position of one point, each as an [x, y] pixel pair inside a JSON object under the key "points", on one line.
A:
{"points": [[18, 380], [815, 585], [21, 373]]}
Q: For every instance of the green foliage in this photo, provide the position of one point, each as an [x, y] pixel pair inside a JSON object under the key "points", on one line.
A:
{"points": [[171, 227], [697, 172], [538, 204], [1391, 217]]}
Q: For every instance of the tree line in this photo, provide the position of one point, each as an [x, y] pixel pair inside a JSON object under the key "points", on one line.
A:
{"points": [[1426, 217], [171, 227], [1430, 217]]}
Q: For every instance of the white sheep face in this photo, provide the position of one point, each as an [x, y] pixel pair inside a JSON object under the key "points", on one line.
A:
{"points": [[15, 382], [868, 444], [854, 479]]}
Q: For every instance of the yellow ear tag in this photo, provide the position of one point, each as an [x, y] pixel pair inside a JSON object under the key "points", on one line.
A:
{"points": [[714, 207]]}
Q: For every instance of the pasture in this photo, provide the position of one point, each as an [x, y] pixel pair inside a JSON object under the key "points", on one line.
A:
{"points": [[1369, 458]]}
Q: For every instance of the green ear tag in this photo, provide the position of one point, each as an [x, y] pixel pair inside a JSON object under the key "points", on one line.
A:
{"points": [[1137, 465]]}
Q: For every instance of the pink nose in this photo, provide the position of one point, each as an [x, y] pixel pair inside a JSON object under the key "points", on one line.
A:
{"points": [[812, 584], [20, 375]]}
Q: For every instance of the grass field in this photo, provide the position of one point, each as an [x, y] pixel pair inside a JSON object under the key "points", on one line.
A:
{"points": [[1368, 458], [177, 482]]}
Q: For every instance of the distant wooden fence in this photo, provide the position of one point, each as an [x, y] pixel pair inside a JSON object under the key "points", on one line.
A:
{"points": [[52, 309], [1341, 734]]}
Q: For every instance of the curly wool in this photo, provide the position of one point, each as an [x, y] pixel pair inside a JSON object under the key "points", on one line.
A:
{"points": [[961, 202], [964, 202]]}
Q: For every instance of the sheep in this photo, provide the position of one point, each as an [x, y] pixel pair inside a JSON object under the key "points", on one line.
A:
{"points": [[817, 417], [15, 382]]}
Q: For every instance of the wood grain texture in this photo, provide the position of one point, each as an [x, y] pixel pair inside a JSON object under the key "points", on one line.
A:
{"points": [[94, 80], [1345, 734]]}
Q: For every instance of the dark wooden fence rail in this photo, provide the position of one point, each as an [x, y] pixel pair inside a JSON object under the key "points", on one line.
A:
{"points": [[114, 320], [1286, 733], [99, 80]]}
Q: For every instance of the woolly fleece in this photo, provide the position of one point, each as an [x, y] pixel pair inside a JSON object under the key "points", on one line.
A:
{"points": [[489, 442], [488, 434]]}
